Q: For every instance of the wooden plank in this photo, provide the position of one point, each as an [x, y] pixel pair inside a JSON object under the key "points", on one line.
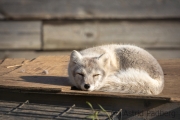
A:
{"points": [[132, 108], [166, 111], [171, 62], [53, 113], [78, 35], [29, 111], [20, 35], [85, 9], [158, 54], [10, 62], [37, 75], [31, 89], [50, 72], [66, 91], [1, 60], [30, 54], [165, 53], [1, 16]]}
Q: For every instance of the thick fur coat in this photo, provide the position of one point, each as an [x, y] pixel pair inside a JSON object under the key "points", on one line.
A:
{"points": [[116, 68]]}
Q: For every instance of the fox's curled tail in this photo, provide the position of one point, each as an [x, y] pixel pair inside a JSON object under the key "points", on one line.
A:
{"points": [[132, 81]]}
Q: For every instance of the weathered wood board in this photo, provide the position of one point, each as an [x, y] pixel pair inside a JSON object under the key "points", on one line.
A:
{"points": [[1, 16], [37, 75], [20, 35], [10, 62], [1, 60], [165, 53], [85, 9], [30, 111], [50, 72], [44, 79], [78, 35], [157, 53], [30, 54]]}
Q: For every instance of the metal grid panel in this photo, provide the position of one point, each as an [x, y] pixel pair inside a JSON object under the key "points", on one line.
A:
{"points": [[30, 111]]}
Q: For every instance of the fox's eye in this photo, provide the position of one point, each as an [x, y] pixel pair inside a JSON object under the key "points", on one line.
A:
{"points": [[95, 75], [81, 74]]}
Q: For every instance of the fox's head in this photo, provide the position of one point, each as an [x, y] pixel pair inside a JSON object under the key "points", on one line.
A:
{"points": [[87, 73]]}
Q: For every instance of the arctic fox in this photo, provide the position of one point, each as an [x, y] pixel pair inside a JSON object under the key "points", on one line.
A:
{"points": [[116, 68]]}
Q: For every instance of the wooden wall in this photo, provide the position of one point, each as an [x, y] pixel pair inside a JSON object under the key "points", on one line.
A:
{"points": [[35, 27]]}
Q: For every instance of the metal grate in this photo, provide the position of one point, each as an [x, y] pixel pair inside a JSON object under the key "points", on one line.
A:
{"points": [[31, 111]]}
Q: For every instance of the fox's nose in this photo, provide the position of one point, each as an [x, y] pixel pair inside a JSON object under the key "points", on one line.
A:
{"points": [[87, 86]]}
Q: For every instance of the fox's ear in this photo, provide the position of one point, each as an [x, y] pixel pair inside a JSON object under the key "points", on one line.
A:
{"points": [[104, 59], [75, 56]]}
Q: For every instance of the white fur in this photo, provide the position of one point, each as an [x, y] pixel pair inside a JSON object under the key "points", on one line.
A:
{"points": [[121, 68], [132, 81]]}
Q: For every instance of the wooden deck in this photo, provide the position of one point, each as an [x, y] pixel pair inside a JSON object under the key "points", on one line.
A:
{"points": [[44, 79]]}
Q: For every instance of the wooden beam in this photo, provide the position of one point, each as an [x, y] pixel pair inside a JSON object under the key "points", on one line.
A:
{"points": [[85, 9], [78, 35], [20, 35]]}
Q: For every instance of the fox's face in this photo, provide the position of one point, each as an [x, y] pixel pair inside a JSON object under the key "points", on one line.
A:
{"points": [[87, 73]]}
